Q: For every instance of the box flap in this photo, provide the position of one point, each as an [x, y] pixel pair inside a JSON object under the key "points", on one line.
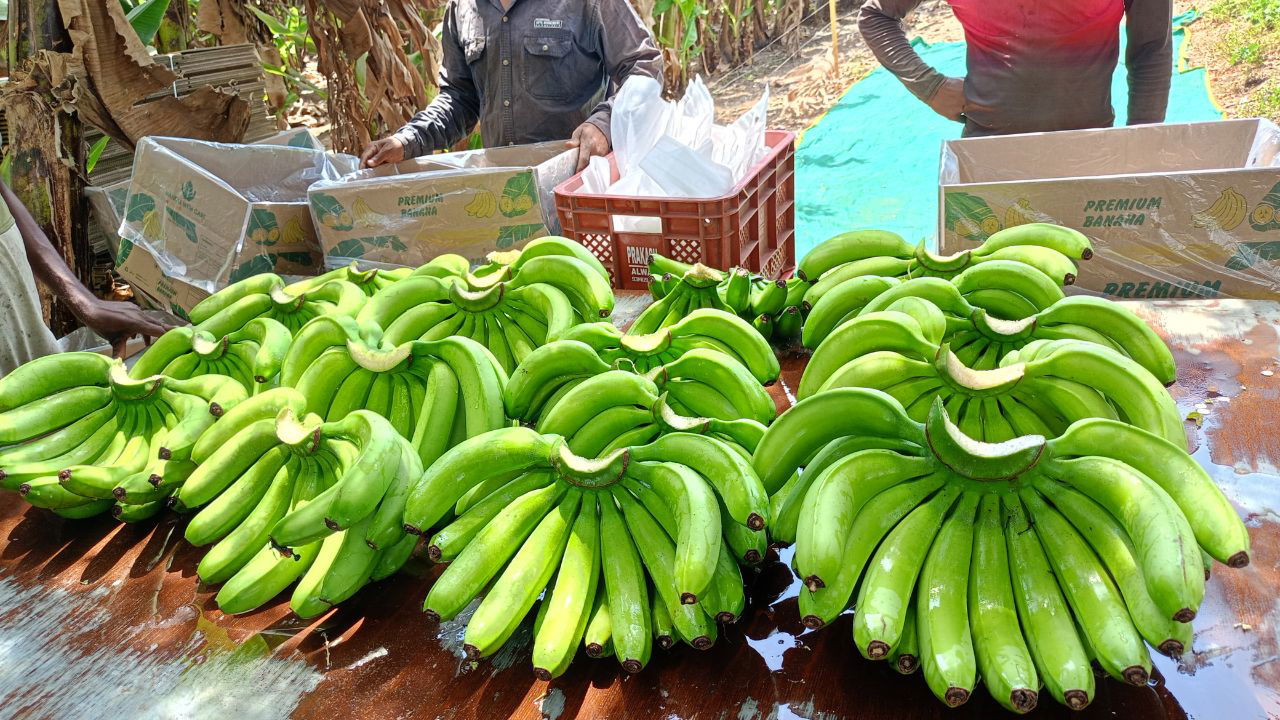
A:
{"points": [[1134, 150], [258, 173]]}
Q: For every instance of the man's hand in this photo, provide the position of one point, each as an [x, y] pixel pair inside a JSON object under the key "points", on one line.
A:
{"points": [[948, 99], [380, 152], [119, 321], [590, 142]]}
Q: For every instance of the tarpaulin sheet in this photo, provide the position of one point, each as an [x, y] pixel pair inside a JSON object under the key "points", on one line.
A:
{"points": [[872, 160]]}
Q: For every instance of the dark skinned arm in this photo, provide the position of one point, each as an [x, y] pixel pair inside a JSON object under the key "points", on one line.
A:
{"points": [[115, 321]]}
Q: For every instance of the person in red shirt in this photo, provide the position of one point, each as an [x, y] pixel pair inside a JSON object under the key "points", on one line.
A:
{"points": [[1035, 66]]}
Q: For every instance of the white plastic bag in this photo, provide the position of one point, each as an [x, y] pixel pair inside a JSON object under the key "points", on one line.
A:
{"points": [[682, 171], [640, 117], [678, 147], [595, 178]]}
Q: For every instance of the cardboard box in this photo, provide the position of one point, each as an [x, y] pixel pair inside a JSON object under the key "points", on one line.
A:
{"points": [[469, 203], [1190, 210], [152, 288], [212, 213], [106, 204]]}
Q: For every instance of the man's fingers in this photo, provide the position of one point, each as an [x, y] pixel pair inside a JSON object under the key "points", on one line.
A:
{"points": [[119, 346], [368, 154], [584, 157]]}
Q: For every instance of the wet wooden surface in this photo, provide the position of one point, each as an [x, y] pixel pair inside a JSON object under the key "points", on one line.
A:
{"points": [[100, 620]]}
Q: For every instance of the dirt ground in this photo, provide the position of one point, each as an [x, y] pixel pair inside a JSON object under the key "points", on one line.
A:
{"points": [[804, 84]]}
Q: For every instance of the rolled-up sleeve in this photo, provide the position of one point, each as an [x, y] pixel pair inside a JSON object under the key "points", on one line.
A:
{"points": [[1148, 58], [880, 22], [628, 49], [453, 113]]}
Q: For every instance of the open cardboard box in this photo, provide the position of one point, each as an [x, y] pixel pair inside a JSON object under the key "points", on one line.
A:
{"points": [[1189, 210], [469, 203], [214, 213]]}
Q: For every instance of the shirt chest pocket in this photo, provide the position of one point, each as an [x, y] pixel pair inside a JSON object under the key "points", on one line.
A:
{"points": [[555, 68]]}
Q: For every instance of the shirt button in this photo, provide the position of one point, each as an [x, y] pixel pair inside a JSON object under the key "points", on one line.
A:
{"points": [[545, 48], [506, 61], [504, 18], [506, 103]]}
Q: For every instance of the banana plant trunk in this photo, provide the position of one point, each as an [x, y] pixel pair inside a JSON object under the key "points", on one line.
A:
{"points": [[45, 147]]}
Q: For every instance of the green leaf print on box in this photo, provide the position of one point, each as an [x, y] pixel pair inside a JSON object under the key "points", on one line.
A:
{"points": [[518, 195], [386, 241], [117, 197], [1266, 214], [512, 234], [970, 217], [178, 311], [122, 254], [349, 248], [263, 228], [188, 227], [188, 191], [1249, 254], [255, 265], [302, 140], [330, 213], [139, 205], [297, 257]]}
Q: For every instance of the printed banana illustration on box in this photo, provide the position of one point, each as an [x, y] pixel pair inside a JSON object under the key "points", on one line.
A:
{"points": [[264, 229], [482, 205], [365, 217], [1022, 213], [1264, 215], [1226, 212]]}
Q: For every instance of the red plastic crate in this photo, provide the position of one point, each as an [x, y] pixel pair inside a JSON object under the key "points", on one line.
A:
{"points": [[753, 226]]}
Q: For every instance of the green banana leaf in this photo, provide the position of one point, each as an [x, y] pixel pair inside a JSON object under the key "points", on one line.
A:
{"points": [[146, 18]]}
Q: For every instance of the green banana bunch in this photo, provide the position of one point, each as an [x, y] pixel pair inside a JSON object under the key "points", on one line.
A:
{"points": [[509, 321], [80, 437], [1014, 274], [374, 280], [252, 355], [435, 393], [1039, 389], [517, 512], [552, 260], [266, 295], [285, 498], [699, 381], [678, 289], [707, 329], [517, 302], [736, 290], [697, 288], [1017, 562], [1051, 249], [972, 330], [617, 409]]}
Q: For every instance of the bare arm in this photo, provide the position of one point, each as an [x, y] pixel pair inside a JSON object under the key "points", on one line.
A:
{"points": [[454, 112], [1149, 58], [115, 321], [880, 22], [628, 49]]}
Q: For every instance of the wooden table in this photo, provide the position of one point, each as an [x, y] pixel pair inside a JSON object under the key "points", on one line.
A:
{"points": [[101, 620]]}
